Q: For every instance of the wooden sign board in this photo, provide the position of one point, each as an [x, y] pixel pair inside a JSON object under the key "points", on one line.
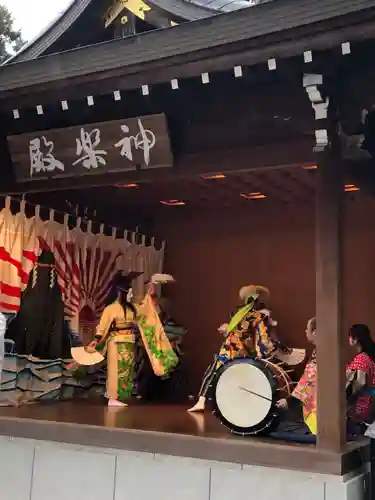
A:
{"points": [[116, 146]]}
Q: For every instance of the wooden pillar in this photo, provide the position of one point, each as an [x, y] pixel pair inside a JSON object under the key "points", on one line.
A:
{"points": [[331, 339]]}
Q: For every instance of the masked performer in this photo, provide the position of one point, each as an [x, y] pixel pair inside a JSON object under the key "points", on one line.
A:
{"points": [[126, 334], [116, 337], [248, 334], [159, 350], [173, 331], [174, 383]]}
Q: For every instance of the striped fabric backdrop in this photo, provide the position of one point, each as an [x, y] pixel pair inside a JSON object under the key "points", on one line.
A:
{"points": [[85, 262]]}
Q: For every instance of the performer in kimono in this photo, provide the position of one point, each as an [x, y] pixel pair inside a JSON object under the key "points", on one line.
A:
{"points": [[249, 334], [174, 331], [117, 338], [147, 377], [160, 353], [174, 385], [125, 334]]}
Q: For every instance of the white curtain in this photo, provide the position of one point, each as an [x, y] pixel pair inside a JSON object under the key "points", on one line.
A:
{"points": [[85, 262]]}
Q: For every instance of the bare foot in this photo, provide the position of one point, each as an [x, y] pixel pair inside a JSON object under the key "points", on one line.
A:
{"points": [[200, 406], [116, 403]]}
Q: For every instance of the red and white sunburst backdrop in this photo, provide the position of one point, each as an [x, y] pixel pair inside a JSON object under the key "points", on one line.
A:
{"points": [[85, 262]]}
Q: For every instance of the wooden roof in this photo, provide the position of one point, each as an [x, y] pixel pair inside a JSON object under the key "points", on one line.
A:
{"points": [[52, 32], [182, 9], [276, 28]]}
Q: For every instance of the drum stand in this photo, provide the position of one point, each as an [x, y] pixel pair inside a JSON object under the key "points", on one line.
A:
{"points": [[288, 384]]}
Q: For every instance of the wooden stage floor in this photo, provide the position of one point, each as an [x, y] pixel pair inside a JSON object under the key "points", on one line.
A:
{"points": [[168, 430], [172, 419]]}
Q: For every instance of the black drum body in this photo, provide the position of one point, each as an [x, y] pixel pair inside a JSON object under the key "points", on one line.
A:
{"points": [[244, 395]]}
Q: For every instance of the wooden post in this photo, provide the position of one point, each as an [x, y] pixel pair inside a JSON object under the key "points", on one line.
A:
{"points": [[331, 340]]}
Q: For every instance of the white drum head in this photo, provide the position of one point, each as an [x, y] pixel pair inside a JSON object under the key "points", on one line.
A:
{"points": [[244, 395], [82, 357]]}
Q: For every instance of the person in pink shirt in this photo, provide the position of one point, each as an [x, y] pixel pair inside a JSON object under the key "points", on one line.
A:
{"points": [[360, 374]]}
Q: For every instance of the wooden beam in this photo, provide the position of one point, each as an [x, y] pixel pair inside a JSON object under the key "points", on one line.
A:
{"points": [[237, 160], [331, 341]]}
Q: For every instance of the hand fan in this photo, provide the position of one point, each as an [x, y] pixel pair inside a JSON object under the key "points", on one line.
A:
{"points": [[82, 357]]}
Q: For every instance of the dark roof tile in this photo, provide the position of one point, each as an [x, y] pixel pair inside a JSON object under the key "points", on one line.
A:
{"points": [[221, 30]]}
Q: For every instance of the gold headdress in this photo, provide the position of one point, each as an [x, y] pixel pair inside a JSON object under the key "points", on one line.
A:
{"points": [[248, 291]]}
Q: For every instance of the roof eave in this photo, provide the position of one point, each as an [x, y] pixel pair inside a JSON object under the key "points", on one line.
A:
{"points": [[238, 31], [36, 47]]}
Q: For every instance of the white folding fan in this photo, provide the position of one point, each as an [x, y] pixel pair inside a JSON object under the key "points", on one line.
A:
{"points": [[160, 278], [84, 358]]}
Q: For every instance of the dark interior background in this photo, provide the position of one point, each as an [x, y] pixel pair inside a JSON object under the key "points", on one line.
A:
{"points": [[218, 241], [214, 253]]}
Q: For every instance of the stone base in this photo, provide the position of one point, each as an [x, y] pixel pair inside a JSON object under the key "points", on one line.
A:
{"points": [[42, 470]]}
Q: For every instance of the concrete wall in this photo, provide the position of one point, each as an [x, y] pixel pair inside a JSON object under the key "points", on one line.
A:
{"points": [[41, 470]]}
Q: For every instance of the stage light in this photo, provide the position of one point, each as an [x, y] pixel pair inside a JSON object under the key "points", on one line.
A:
{"points": [[213, 176], [309, 167], [253, 196], [351, 187], [172, 203], [127, 185]]}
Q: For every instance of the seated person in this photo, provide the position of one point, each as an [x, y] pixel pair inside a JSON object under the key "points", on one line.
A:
{"points": [[305, 391], [360, 375]]}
